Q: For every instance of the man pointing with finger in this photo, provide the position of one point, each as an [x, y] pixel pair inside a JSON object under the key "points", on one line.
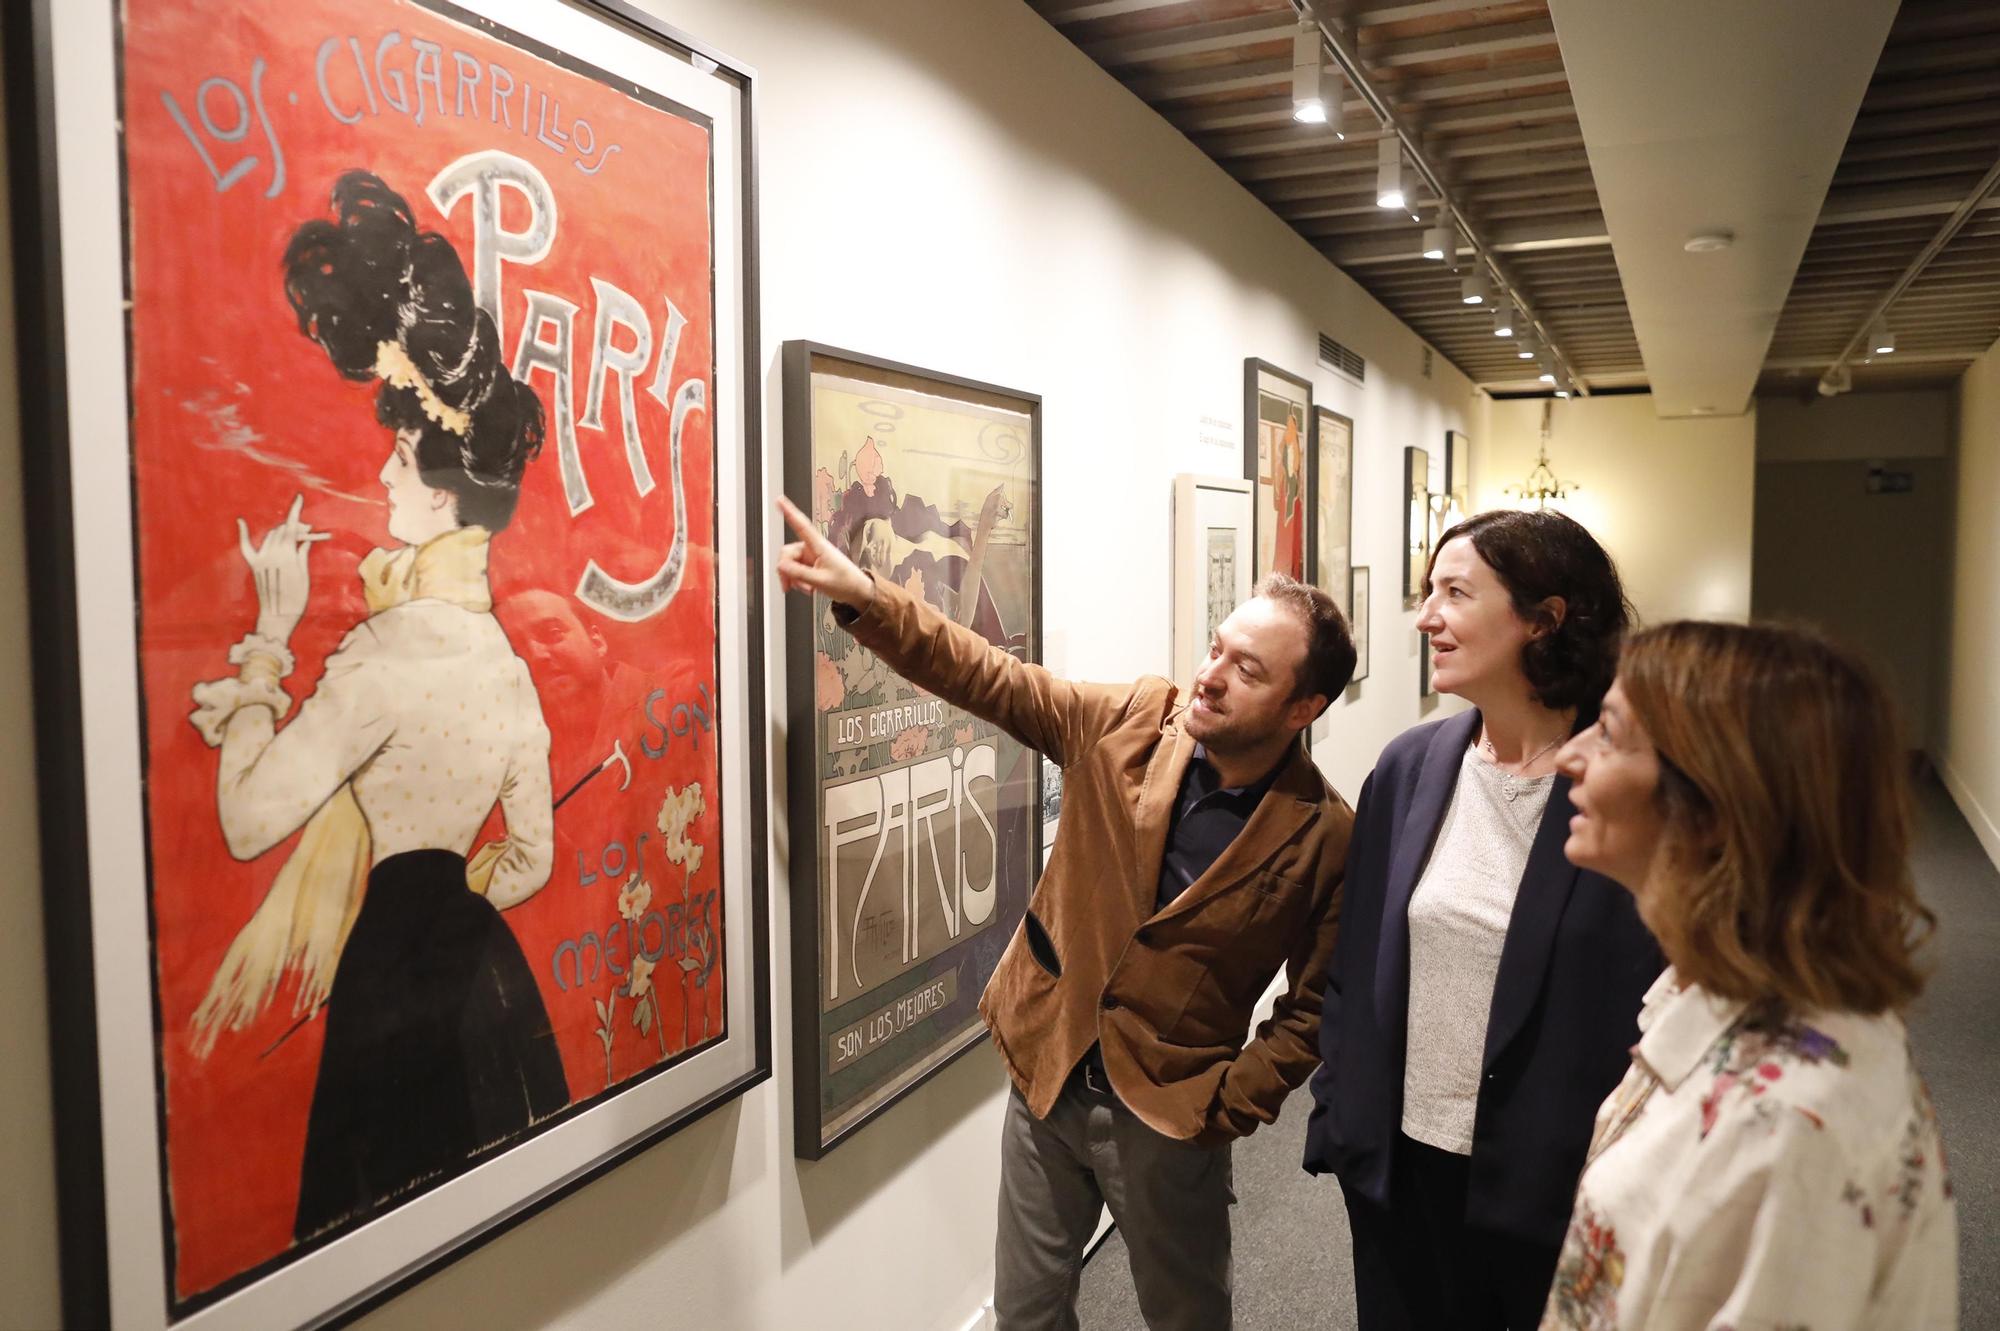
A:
{"points": [[1200, 852]]}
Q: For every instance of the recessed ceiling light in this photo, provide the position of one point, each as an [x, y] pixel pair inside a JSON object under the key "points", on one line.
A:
{"points": [[1708, 242]]}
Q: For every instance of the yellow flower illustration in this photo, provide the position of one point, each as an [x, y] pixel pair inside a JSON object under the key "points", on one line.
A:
{"points": [[678, 812], [632, 902], [641, 981]]}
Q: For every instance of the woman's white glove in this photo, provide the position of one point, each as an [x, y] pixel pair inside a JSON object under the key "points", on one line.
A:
{"points": [[278, 565]]}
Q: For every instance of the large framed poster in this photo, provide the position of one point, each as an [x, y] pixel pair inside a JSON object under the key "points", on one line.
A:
{"points": [[1213, 518], [1277, 439], [403, 784], [915, 825], [1331, 481]]}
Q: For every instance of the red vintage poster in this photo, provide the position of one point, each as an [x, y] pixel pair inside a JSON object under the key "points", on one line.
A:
{"points": [[422, 325]]}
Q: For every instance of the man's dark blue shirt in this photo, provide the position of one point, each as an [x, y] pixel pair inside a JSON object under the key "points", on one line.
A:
{"points": [[1207, 817]]}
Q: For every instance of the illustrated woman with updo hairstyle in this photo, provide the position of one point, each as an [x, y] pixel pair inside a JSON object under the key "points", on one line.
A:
{"points": [[437, 1043]]}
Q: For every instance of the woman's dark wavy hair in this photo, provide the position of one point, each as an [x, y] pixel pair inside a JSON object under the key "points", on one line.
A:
{"points": [[1539, 554], [371, 276]]}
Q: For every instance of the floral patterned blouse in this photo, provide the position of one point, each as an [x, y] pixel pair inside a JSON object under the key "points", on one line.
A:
{"points": [[1761, 1169]]}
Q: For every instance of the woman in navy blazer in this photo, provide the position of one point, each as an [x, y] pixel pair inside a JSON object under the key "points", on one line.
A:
{"points": [[1459, 1225]]}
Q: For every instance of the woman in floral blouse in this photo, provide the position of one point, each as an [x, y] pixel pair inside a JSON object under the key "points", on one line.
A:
{"points": [[1772, 1159]]}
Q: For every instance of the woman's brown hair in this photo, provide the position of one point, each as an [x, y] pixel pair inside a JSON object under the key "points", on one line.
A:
{"points": [[1786, 873]]}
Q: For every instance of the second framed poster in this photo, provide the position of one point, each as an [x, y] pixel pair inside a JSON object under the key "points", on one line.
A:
{"points": [[933, 482], [1277, 430]]}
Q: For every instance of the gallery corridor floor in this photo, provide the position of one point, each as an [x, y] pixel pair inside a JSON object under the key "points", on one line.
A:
{"points": [[1292, 1264]]}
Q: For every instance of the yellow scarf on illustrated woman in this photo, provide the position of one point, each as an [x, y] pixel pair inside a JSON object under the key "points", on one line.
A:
{"points": [[304, 919]]}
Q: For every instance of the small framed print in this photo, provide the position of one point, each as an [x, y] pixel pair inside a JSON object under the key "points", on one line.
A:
{"points": [[1417, 532], [1331, 554], [1212, 545], [1458, 473], [1357, 621]]}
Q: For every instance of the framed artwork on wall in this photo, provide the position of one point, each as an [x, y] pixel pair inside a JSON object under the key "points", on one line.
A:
{"points": [[1277, 441], [405, 852], [1416, 524], [1457, 475], [935, 482], [1332, 486], [1213, 517], [1358, 620]]}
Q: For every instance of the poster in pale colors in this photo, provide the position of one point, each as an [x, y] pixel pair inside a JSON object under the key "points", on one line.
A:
{"points": [[1333, 506], [925, 817]]}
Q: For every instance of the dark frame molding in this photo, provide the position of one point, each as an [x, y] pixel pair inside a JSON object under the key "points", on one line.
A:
{"points": [[52, 619], [802, 747], [1251, 368], [25, 29]]}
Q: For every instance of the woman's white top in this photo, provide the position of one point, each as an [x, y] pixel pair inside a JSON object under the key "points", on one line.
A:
{"points": [[1458, 926], [1762, 1169], [430, 716]]}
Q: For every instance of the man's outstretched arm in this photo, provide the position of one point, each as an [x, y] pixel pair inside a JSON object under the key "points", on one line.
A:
{"points": [[1041, 710]]}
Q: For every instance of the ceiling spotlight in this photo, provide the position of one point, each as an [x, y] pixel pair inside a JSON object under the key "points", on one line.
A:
{"points": [[1547, 376], [1439, 238], [1389, 170], [1473, 289], [1526, 349], [1881, 339], [1708, 242], [1562, 392], [1503, 319], [1310, 104], [1835, 382]]}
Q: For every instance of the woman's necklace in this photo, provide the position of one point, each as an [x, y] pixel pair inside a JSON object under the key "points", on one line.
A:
{"points": [[1508, 780]]}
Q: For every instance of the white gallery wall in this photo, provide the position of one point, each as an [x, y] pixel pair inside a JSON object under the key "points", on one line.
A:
{"points": [[1968, 751], [1670, 499], [957, 187]]}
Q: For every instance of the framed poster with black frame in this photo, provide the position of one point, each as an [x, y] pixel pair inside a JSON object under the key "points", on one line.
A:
{"points": [[1358, 620], [1331, 481], [1416, 524], [1277, 441], [404, 842], [916, 826]]}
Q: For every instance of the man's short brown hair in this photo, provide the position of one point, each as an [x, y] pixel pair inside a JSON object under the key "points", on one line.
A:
{"points": [[1329, 664]]}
